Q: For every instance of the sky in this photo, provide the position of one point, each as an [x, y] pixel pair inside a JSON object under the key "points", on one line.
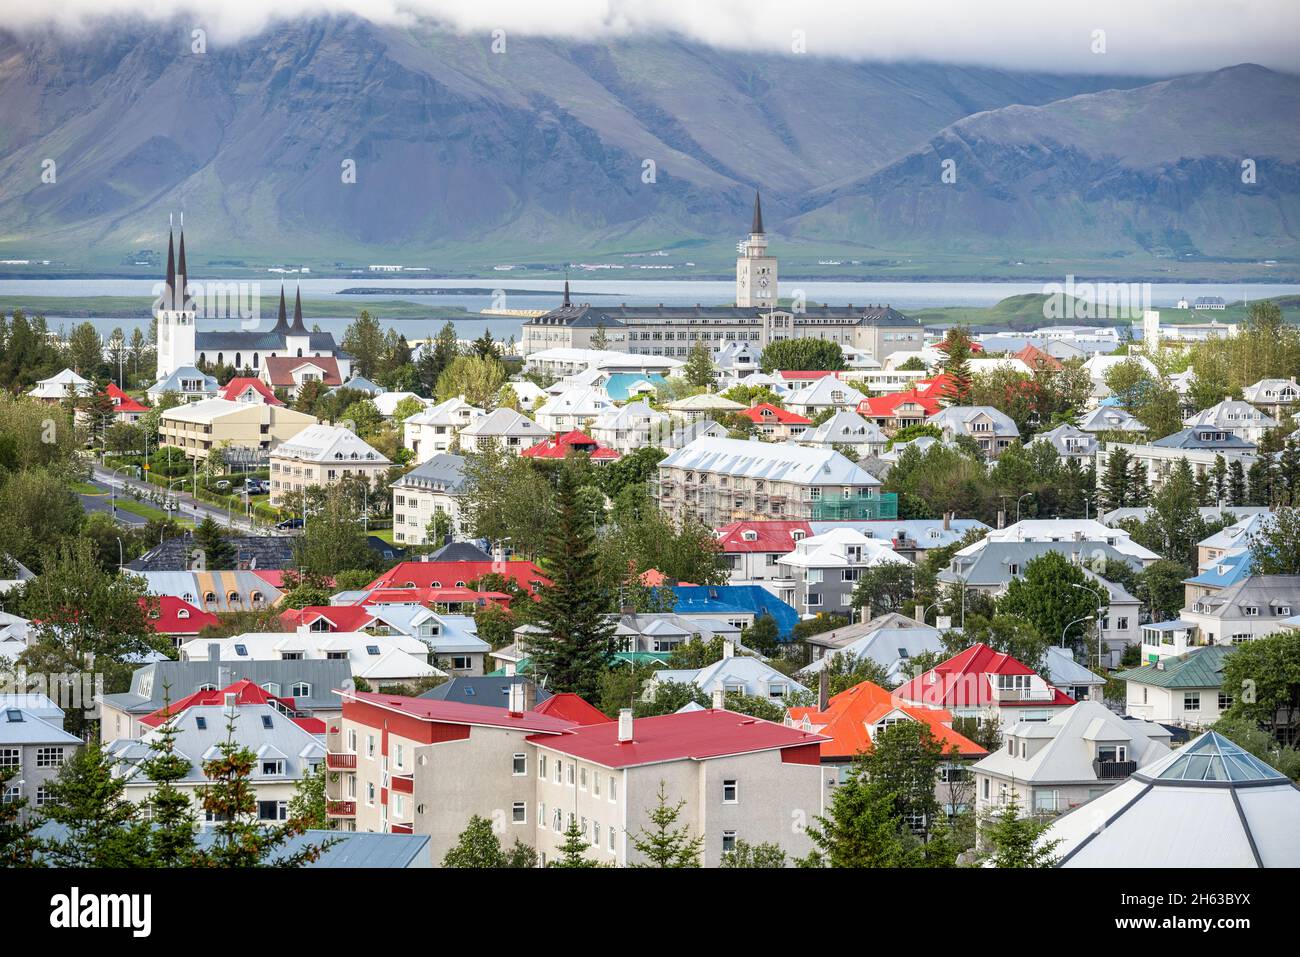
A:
{"points": [[1155, 37]]}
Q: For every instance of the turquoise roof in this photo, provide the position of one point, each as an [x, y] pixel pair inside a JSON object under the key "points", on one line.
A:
{"points": [[1198, 668], [620, 382]]}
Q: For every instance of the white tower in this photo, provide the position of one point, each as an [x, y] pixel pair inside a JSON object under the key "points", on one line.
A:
{"points": [[175, 314], [755, 269]]}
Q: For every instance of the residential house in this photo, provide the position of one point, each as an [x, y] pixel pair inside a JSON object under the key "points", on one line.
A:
{"points": [[452, 640], [197, 428], [214, 590], [291, 373], [435, 430], [560, 447], [1075, 756], [429, 573], [1277, 397], [849, 430], [826, 393], [1186, 690], [248, 389], [431, 488], [33, 744], [510, 430], [1113, 421], [735, 605], [1254, 607], [61, 387], [993, 431], [892, 641], [125, 408], [186, 383], [682, 436], [1074, 679], [1069, 443], [630, 427], [774, 423], [988, 567], [705, 405], [322, 455], [822, 571], [1200, 448], [177, 619], [734, 674], [1236, 417], [575, 408]]}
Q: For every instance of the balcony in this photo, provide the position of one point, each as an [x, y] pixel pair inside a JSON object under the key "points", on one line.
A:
{"points": [[1113, 770], [341, 761], [402, 783], [340, 809]]}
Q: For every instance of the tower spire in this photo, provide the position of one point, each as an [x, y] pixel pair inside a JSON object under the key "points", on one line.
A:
{"points": [[182, 274], [282, 323], [566, 293], [171, 267], [297, 312], [756, 228]]}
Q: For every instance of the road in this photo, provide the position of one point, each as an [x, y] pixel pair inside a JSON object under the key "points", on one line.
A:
{"points": [[190, 507]]}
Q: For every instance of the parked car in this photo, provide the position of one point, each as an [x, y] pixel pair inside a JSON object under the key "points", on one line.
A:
{"points": [[290, 523]]}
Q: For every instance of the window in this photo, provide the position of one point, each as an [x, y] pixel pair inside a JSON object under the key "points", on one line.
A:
{"points": [[728, 841], [1112, 752], [273, 810], [595, 833], [1225, 701], [273, 767], [519, 765], [569, 774], [49, 757], [557, 822], [730, 794], [370, 793], [300, 690], [372, 649], [595, 783], [400, 756], [519, 813], [1191, 701], [10, 757], [267, 722], [613, 788], [370, 746], [611, 840], [43, 796], [541, 766], [559, 771], [352, 740]]}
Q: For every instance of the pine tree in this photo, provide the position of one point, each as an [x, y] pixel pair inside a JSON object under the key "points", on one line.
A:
{"points": [[956, 367], [102, 828], [171, 813], [862, 828], [666, 845], [1236, 485], [573, 849], [218, 552], [19, 846], [1016, 841], [574, 643], [1116, 485]]}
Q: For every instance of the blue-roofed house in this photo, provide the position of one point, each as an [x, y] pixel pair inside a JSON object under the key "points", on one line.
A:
{"points": [[735, 604]]}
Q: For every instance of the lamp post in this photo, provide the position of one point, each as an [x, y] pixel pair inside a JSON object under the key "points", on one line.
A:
{"points": [[1018, 501], [1097, 594], [1071, 625]]}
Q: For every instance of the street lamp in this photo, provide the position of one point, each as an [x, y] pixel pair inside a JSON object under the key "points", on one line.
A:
{"points": [[1096, 593], [1018, 501], [1071, 625]]}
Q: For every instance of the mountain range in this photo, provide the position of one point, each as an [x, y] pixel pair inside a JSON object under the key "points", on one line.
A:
{"points": [[551, 152]]}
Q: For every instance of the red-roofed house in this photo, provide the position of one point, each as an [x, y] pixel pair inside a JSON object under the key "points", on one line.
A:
{"points": [[248, 389], [575, 441], [571, 707], [327, 618], [776, 423], [291, 373], [898, 410], [455, 600], [802, 379], [1036, 359], [459, 574], [176, 618], [245, 693], [981, 682], [750, 550], [125, 408]]}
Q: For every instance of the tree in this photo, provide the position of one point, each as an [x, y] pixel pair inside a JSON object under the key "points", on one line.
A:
{"points": [[171, 813], [1263, 678], [844, 670], [904, 760], [574, 642], [102, 828], [19, 846], [1045, 595], [958, 382], [1173, 525], [1015, 841], [802, 354], [862, 828], [1160, 587], [40, 510], [699, 366], [217, 550], [889, 587], [364, 340], [754, 855], [478, 846], [307, 805], [476, 378], [333, 538], [1006, 633], [1276, 546], [574, 848], [435, 357], [664, 844], [764, 635]]}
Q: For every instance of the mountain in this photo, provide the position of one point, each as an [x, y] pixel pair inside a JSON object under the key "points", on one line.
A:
{"points": [[468, 157], [1155, 171]]}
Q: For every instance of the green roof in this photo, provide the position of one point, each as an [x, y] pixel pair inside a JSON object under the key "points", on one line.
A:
{"points": [[1198, 668]]}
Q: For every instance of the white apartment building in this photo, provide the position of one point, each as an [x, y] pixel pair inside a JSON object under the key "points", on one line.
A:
{"points": [[430, 489], [322, 455]]}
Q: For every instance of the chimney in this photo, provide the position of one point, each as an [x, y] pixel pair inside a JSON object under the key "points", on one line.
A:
{"points": [[530, 694], [224, 677], [303, 630], [947, 521], [625, 726], [230, 702], [943, 622], [728, 649], [823, 690], [515, 699], [719, 697], [1002, 518], [920, 613], [214, 654]]}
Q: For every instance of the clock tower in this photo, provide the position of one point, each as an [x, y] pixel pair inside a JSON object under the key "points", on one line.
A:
{"points": [[755, 269]]}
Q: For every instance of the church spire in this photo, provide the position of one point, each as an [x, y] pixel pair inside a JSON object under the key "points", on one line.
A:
{"points": [[297, 312], [282, 323], [566, 293], [756, 228], [171, 269], [182, 275]]}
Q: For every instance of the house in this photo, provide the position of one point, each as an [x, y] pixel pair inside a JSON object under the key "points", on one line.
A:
{"points": [[1069, 443], [1254, 607], [706, 405], [575, 408], [1112, 420], [988, 567], [898, 410], [288, 748], [846, 429], [1186, 690], [13, 637], [1277, 397], [1233, 540], [683, 436], [773, 422], [1070, 676], [992, 430], [827, 392], [359, 383], [891, 641], [510, 430], [822, 571], [214, 590], [492, 691], [386, 402], [436, 430], [58, 388], [633, 426], [735, 605], [659, 633], [379, 659], [323, 455], [452, 639], [33, 742], [197, 428], [431, 488], [734, 674], [305, 685], [1200, 448], [248, 389], [459, 574], [560, 447], [176, 618], [1210, 805], [187, 383], [291, 373], [1074, 530], [735, 360], [855, 717], [1235, 417], [1075, 756], [983, 683], [125, 408], [717, 481]]}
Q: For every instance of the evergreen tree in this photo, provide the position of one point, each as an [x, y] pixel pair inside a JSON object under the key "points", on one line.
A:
{"points": [[479, 847], [171, 813], [957, 351], [19, 846], [217, 551], [699, 366], [101, 827], [862, 828], [574, 644], [1236, 484], [573, 849], [748, 855], [1016, 841], [364, 340], [1116, 482], [664, 844]]}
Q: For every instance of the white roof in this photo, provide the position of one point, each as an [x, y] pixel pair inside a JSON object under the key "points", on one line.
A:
{"points": [[386, 402], [1071, 530], [328, 445], [371, 656], [756, 675], [1230, 414], [827, 391], [447, 412], [831, 550], [207, 411], [505, 422], [704, 402], [627, 417], [1102, 363], [58, 386], [778, 462], [844, 428], [587, 401]]}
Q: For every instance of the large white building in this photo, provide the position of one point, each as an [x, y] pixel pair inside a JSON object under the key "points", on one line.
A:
{"points": [[322, 455]]}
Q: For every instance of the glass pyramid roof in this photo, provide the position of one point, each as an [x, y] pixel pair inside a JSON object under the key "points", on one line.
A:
{"points": [[1212, 757]]}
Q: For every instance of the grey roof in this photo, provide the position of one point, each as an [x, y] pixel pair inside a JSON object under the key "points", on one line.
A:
{"points": [[460, 552], [1269, 594], [584, 315], [443, 472], [1003, 425], [990, 564], [1083, 444], [844, 428], [891, 648], [251, 551], [41, 705], [19, 725], [687, 434], [152, 683], [1063, 671], [490, 691], [1202, 437]]}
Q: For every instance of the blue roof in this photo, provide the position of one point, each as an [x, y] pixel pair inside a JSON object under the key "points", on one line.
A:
{"points": [[1228, 570], [744, 599], [620, 382]]}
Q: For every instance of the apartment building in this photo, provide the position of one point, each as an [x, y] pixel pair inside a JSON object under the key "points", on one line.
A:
{"points": [[717, 481], [322, 455], [196, 428], [1200, 448], [822, 571], [33, 744], [434, 431], [431, 488]]}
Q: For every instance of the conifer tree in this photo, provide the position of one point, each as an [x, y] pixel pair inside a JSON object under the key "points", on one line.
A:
{"points": [[664, 844], [18, 844], [1015, 841], [171, 813], [102, 828], [956, 366], [699, 366], [573, 849], [218, 552]]}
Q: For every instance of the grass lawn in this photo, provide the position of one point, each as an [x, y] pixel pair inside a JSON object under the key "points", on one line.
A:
{"points": [[145, 511], [85, 488], [386, 534]]}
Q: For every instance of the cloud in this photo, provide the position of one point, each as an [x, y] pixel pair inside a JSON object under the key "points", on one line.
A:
{"points": [[1095, 36]]}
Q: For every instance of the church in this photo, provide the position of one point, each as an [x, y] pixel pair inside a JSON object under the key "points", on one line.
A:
{"points": [[757, 317], [181, 346]]}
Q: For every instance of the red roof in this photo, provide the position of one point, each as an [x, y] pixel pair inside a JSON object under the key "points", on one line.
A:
{"points": [[245, 693], [275, 577], [455, 712], [963, 682], [690, 735], [767, 536], [238, 386], [848, 714], [571, 707], [1036, 358], [277, 370], [767, 412], [887, 405], [434, 596], [809, 374], [123, 402], [340, 617], [574, 441], [169, 620], [446, 574]]}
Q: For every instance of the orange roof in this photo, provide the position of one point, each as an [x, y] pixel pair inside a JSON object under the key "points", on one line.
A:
{"points": [[849, 713], [1036, 358], [560, 447]]}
